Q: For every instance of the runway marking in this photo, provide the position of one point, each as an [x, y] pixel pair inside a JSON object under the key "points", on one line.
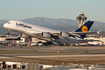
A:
{"points": [[47, 56]]}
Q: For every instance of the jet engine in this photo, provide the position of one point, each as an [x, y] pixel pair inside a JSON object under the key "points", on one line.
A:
{"points": [[64, 35], [45, 34], [24, 36]]}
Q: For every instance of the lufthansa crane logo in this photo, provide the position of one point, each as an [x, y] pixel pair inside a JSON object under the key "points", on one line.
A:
{"points": [[84, 28]]}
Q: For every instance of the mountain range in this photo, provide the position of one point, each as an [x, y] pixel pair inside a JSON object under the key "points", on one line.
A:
{"points": [[58, 24]]}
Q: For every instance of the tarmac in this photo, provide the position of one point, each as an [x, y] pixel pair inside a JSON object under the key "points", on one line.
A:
{"points": [[54, 54]]}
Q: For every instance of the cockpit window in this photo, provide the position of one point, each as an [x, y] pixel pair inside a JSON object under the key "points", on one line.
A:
{"points": [[8, 22]]}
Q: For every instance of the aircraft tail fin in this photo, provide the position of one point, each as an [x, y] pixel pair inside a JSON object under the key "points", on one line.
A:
{"points": [[14, 42], [85, 28], [29, 41]]}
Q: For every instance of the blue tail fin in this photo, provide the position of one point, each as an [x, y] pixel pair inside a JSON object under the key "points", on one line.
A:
{"points": [[84, 28]]}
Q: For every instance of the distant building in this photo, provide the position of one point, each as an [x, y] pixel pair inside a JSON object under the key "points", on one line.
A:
{"points": [[37, 40], [2, 38]]}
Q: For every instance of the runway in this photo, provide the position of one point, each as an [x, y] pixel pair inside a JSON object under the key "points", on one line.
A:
{"points": [[51, 56], [58, 56], [48, 54]]}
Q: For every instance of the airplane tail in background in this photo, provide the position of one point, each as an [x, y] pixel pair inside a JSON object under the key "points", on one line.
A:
{"points": [[29, 41], [14, 42], [85, 28]]}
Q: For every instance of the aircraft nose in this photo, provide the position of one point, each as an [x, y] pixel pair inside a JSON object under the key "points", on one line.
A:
{"points": [[5, 25]]}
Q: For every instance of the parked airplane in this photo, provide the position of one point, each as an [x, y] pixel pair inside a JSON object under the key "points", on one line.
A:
{"points": [[19, 43], [49, 35], [5, 42], [33, 43]]}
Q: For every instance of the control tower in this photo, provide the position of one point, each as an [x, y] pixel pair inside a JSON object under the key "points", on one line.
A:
{"points": [[81, 19]]}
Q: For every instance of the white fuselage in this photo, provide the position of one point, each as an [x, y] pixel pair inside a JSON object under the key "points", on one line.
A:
{"points": [[34, 30], [29, 29], [23, 27]]}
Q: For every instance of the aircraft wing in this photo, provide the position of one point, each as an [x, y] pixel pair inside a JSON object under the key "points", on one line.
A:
{"points": [[92, 40], [42, 33], [81, 33], [71, 33], [56, 35], [47, 36]]}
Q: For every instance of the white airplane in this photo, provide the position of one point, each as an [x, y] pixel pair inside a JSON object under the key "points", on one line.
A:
{"points": [[5, 42], [50, 35], [32, 43], [20, 43]]}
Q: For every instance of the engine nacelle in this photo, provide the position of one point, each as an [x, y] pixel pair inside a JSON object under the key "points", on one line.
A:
{"points": [[64, 35], [24, 36], [45, 34]]}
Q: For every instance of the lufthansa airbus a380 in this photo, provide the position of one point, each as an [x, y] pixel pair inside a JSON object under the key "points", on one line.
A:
{"points": [[28, 30]]}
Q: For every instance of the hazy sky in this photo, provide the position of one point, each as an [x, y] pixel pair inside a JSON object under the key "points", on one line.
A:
{"points": [[66, 9]]}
